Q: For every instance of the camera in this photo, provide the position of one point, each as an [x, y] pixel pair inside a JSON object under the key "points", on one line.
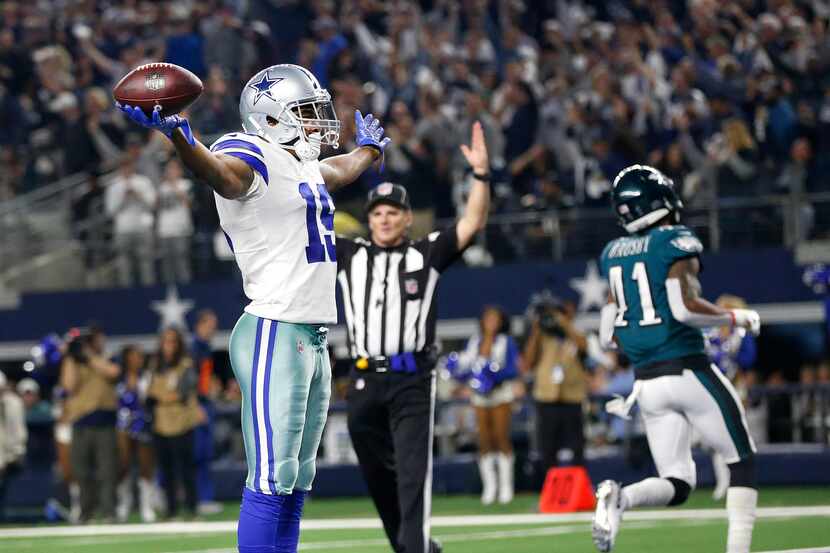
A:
{"points": [[76, 340], [544, 307]]}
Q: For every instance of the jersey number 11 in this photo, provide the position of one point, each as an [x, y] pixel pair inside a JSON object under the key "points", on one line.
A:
{"points": [[315, 252]]}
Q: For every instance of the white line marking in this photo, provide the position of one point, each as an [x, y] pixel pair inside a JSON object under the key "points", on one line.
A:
{"points": [[371, 523], [445, 538], [808, 550]]}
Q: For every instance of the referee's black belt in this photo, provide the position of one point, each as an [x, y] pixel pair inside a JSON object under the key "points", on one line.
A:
{"points": [[407, 362]]}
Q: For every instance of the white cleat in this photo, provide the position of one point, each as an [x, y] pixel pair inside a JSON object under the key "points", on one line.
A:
{"points": [[607, 516]]}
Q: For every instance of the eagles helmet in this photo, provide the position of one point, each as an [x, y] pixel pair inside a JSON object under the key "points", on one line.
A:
{"points": [[293, 98], [642, 196]]}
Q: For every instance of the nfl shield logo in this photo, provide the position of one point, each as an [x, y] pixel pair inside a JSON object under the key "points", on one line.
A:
{"points": [[154, 81], [411, 286], [384, 189]]}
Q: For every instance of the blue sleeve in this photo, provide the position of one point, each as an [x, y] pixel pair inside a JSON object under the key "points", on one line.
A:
{"points": [[242, 147], [747, 353]]}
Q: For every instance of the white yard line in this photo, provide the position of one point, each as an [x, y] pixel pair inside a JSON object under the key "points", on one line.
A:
{"points": [[372, 523], [808, 550], [451, 538]]}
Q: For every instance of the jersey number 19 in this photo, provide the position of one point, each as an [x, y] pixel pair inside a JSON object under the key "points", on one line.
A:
{"points": [[315, 252], [640, 276]]}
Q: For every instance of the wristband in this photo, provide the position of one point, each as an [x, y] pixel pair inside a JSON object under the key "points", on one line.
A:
{"points": [[485, 177]]}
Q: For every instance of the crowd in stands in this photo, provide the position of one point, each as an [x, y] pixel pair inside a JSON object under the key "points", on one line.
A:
{"points": [[730, 99]]}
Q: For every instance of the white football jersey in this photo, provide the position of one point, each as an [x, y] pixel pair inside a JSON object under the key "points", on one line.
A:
{"points": [[281, 233]]}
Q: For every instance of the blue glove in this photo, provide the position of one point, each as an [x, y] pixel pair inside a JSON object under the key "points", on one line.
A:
{"points": [[368, 132], [165, 125]]}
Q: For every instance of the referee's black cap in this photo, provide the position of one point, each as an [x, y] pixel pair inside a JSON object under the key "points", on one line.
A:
{"points": [[388, 193]]}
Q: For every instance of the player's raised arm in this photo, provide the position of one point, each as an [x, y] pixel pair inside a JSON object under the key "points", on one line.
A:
{"points": [[688, 307], [230, 177], [338, 171], [478, 203]]}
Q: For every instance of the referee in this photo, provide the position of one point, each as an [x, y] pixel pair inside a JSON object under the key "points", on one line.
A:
{"points": [[389, 284]]}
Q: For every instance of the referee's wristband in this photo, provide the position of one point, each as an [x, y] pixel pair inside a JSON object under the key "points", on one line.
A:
{"points": [[483, 177]]}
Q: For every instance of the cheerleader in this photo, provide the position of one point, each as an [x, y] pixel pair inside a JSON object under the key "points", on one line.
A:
{"points": [[488, 365]]}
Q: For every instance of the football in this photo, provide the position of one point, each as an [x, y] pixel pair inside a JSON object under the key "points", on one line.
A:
{"points": [[172, 87]]}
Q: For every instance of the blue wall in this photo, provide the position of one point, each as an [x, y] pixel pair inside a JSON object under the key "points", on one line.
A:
{"points": [[766, 276]]}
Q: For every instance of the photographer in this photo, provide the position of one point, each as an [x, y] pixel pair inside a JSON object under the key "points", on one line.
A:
{"points": [[554, 358], [89, 379], [176, 412]]}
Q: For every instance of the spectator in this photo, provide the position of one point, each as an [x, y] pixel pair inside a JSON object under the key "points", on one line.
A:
{"points": [[797, 179], [37, 409], [201, 350], [79, 151], [224, 49], [736, 157], [331, 43], [13, 436], [89, 379], [216, 111], [184, 45], [779, 410], [806, 407], [16, 63], [130, 54], [733, 350], [174, 225], [520, 125], [553, 359], [91, 226], [488, 366], [130, 199], [175, 413], [409, 162], [135, 439]]}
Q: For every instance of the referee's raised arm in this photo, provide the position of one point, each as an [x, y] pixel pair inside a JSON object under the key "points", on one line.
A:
{"points": [[478, 203]]}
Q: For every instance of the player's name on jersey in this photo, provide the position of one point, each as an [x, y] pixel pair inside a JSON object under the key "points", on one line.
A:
{"points": [[629, 246]]}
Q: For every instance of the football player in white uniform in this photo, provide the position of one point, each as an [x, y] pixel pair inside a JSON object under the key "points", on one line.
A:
{"points": [[272, 195]]}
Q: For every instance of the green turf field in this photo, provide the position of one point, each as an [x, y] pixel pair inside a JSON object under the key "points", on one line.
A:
{"points": [[347, 526]]}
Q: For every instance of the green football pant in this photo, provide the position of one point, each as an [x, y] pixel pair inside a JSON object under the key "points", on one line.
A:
{"points": [[284, 374]]}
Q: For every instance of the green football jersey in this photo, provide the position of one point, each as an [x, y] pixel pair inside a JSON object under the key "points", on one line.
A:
{"points": [[636, 268]]}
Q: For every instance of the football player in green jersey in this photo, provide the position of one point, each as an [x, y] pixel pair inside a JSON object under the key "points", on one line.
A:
{"points": [[655, 314]]}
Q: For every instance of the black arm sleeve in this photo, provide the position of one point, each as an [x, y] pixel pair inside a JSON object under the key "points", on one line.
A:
{"points": [[441, 248]]}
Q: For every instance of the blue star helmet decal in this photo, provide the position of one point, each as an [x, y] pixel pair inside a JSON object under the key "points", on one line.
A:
{"points": [[263, 87]]}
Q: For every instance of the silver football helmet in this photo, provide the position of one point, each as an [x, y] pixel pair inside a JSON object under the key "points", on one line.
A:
{"points": [[300, 109]]}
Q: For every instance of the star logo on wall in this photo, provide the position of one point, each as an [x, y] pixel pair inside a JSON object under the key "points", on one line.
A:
{"points": [[263, 87], [592, 288], [172, 310]]}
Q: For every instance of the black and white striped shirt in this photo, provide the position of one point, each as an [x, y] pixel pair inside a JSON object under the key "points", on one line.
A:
{"points": [[389, 293]]}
